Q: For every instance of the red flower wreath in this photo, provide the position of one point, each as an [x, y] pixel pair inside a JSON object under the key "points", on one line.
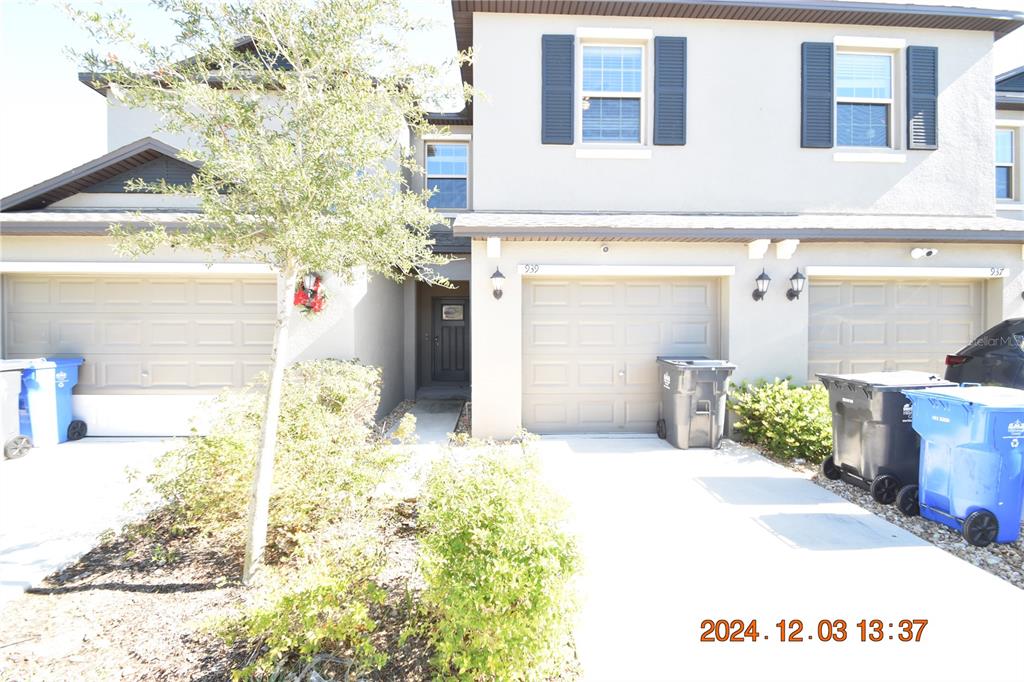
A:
{"points": [[311, 300]]}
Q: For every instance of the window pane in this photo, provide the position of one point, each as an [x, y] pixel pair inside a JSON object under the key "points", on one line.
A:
{"points": [[611, 119], [1003, 184], [612, 69], [447, 159], [864, 75], [1004, 146], [450, 193], [862, 125]]}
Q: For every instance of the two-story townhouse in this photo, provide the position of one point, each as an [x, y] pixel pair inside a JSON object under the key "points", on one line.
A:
{"points": [[1010, 143], [161, 334], [640, 169]]}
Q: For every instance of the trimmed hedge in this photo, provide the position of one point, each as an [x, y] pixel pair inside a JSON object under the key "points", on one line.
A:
{"points": [[787, 421]]}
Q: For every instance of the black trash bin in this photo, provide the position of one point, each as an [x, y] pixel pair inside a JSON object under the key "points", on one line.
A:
{"points": [[693, 392], [874, 445]]}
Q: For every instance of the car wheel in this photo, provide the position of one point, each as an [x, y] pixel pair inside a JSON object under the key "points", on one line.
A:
{"points": [[17, 447]]}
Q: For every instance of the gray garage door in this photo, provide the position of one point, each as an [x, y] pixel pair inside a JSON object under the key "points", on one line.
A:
{"points": [[868, 325], [589, 348], [144, 334]]}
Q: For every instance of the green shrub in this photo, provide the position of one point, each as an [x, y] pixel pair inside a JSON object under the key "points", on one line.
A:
{"points": [[328, 455], [498, 569], [316, 612], [787, 421]]}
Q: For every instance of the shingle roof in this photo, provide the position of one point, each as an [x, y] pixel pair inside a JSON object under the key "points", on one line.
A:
{"points": [[103, 168], [716, 227]]}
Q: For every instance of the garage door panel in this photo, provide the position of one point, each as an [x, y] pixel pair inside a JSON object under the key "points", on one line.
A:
{"points": [[138, 334], [598, 371], [858, 326]]}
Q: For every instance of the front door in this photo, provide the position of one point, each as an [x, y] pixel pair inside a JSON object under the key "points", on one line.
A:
{"points": [[451, 340]]}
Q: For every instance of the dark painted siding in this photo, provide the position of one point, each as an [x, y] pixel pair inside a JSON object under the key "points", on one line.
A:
{"points": [[1011, 84], [558, 88], [922, 97], [816, 95], [669, 90], [173, 171]]}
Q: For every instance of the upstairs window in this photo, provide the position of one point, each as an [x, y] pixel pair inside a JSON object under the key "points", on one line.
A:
{"points": [[448, 175], [1005, 159], [613, 83], [864, 101]]}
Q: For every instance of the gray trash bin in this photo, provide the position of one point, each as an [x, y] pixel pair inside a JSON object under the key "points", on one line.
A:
{"points": [[693, 392], [13, 443]]}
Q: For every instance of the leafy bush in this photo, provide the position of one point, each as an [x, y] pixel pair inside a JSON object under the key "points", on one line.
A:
{"points": [[787, 421], [498, 569], [315, 614], [328, 456]]}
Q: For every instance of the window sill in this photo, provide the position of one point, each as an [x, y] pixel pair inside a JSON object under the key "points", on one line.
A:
{"points": [[634, 153], [870, 157]]}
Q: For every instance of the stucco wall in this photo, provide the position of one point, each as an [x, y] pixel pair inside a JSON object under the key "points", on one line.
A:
{"points": [[765, 339], [743, 127]]}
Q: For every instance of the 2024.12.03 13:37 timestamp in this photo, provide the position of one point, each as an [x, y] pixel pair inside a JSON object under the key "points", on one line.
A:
{"points": [[864, 630]]}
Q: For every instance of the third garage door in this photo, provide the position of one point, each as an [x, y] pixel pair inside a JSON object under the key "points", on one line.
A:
{"points": [[868, 325], [589, 348]]}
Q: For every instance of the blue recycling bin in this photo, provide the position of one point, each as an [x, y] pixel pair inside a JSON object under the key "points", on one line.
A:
{"points": [[44, 405], [972, 460]]}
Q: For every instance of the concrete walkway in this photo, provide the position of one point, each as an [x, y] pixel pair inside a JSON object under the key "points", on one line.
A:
{"points": [[435, 419], [55, 501], [671, 538]]}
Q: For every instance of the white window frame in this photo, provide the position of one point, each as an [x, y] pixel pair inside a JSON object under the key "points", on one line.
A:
{"points": [[444, 176], [603, 94], [1012, 165], [890, 101]]}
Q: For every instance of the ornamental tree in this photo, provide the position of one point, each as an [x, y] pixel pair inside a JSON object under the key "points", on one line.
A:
{"points": [[293, 109]]}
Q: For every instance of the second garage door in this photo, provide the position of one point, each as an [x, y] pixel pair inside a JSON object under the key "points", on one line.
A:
{"points": [[868, 325], [589, 348]]}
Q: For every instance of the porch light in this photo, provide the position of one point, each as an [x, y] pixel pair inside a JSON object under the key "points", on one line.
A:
{"points": [[762, 282], [796, 285], [309, 281], [497, 281]]}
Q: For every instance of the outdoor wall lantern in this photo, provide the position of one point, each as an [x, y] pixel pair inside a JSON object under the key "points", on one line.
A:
{"points": [[497, 281], [796, 285], [762, 282], [309, 281]]}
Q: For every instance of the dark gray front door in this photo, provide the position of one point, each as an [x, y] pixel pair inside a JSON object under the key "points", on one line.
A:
{"points": [[451, 340]]}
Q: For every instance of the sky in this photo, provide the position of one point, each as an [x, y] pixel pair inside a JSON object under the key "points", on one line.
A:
{"points": [[50, 123]]}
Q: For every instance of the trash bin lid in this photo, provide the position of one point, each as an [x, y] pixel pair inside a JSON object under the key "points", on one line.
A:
{"points": [[694, 362], [988, 396], [20, 364], [66, 361], [891, 381]]}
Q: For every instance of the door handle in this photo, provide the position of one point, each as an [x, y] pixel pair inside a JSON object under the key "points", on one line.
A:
{"points": [[437, 342], [622, 372]]}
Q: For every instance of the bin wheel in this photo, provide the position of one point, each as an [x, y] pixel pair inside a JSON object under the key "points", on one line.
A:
{"points": [[77, 429], [829, 469], [884, 489], [662, 429], [17, 447], [981, 528], [906, 500]]}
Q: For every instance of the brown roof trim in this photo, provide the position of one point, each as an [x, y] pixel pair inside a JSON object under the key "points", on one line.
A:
{"points": [[999, 22], [73, 181]]}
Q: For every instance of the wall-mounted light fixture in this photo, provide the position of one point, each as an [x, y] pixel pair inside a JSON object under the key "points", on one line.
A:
{"points": [[762, 282], [309, 281], [497, 281], [796, 285]]}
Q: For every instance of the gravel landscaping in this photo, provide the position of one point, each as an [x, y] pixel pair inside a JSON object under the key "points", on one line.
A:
{"points": [[1003, 560]]}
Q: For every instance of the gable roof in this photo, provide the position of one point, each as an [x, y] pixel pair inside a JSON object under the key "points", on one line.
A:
{"points": [[110, 165], [999, 22], [1010, 89]]}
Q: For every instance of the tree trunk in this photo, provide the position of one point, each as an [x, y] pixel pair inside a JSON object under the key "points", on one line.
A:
{"points": [[259, 502]]}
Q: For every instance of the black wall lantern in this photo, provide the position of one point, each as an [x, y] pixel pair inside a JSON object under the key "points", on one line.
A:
{"points": [[796, 285], [762, 282], [497, 281]]}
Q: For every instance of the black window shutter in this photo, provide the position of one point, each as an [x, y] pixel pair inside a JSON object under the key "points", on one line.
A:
{"points": [[922, 97], [557, 89], [816, 95], [669, 90]]}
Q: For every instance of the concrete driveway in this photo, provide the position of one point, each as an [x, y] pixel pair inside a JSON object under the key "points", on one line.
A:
{"points": [[671, 538], [55, 501]]}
